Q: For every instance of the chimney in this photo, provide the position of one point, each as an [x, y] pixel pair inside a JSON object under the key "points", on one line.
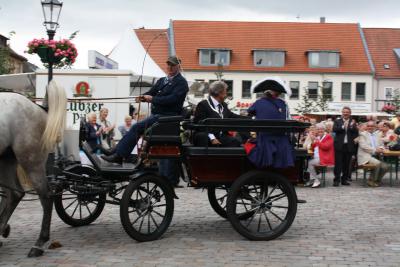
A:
{"points": [[322, 19]]}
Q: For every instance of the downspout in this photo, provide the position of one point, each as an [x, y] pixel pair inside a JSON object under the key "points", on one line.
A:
{"points": [[371, 64], [171, 40]]}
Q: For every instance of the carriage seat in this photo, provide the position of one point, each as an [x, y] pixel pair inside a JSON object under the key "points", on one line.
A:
{"points": [[228, 151], [106, 168], [165, 131], [215, 151]]}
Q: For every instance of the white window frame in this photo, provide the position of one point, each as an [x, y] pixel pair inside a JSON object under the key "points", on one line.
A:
{"points": [[267, 58], [315, 58], [365, 92], [203, 52], [386, 90], [341, 92]]}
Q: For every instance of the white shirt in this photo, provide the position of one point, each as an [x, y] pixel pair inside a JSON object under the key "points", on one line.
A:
{"points": [[345, 129], [216, 103], [372, 138]]}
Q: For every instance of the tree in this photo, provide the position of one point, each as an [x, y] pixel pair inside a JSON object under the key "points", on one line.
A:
{"points": [[306, 105], [322, 102], [5, 61]]}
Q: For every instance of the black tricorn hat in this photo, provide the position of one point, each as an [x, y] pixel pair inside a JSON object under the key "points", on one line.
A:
{"points": [[273, 84]]}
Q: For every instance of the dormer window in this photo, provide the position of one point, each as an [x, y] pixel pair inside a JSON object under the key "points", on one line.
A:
{"points": [[214, 56], [323, 59], [269, 58], [397, 53]]}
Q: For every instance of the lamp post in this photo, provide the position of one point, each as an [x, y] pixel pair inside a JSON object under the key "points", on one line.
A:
{"points": [[51, 13]]}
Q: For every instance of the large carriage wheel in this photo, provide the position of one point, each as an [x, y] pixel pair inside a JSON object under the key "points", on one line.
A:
{"points": [[269, 198], [217, 196], [79, 209], [147, 207]]}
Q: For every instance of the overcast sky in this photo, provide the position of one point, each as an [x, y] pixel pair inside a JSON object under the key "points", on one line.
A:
{"points": [[102, 22]]}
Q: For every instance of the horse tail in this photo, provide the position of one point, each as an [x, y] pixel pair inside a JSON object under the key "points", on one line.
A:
{"points": [[23, 178], [55, 124]]}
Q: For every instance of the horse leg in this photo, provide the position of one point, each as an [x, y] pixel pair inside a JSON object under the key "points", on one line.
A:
{"points": [[40, 184], [13, 194]]}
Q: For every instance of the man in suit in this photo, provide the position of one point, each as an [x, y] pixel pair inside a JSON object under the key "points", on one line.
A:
{"points": [[346, 131], [370, 144], [166, 97], [215, 107]]}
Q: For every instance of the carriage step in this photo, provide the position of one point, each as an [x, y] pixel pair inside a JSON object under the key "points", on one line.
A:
{"points": [[301, 201]]}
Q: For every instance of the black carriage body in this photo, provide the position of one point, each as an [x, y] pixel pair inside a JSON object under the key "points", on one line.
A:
{"points": [[218, 165]]}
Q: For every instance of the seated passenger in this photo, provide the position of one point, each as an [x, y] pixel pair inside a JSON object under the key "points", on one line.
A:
{"points": [[271, 149], [324, 153], [215, 107], [370, 145], [93, 132]]}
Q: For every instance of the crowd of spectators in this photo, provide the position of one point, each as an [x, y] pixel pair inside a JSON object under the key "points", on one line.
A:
{"points": [[345, 143]]}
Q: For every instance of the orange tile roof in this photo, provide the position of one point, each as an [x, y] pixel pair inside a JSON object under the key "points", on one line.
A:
{"points": [[156, 41], [243, 37], [381, 43]]}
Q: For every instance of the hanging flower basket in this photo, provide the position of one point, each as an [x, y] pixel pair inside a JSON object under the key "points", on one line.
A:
{"points": [[47, 55], [61, 53], [388, 108]]}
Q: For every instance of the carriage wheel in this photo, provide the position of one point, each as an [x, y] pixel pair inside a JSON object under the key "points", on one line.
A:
{"points": [[147, 207], [217, 196], [269, 198], [79, 209]]}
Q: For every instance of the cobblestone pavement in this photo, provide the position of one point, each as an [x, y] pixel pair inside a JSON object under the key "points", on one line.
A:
{"points": [[345, 226]]}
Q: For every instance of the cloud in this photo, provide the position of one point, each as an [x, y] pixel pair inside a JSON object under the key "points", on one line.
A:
{"points": [[102, 22]]}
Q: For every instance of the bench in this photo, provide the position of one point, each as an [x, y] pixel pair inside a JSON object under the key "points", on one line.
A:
{"points": [[106, 169]]}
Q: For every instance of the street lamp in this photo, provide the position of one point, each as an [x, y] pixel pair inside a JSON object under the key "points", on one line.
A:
{"points": [[51, 13]]}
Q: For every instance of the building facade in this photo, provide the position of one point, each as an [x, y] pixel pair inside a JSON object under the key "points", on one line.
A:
{"points": [[330, 60]]}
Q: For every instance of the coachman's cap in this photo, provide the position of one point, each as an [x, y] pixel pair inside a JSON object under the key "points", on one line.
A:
{"points": [[173, 60]]}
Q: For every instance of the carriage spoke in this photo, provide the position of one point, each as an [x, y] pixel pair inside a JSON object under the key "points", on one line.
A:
{"points": [[273, 189], [251, 219], [137, 219], [76, 207], [148, 223], [159, 214], [259, 223], [275, 198], [154, 221], [273, 213], [88, 209], [266, 217], [160, 205], [80, 212], [279, 207], [141, 223], [70, 204]]}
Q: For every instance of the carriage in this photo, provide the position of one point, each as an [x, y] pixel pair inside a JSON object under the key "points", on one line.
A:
{"points": [[261, 204]]}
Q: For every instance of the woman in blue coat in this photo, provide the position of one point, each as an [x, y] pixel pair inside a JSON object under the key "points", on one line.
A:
{"points": [[272, 149]]}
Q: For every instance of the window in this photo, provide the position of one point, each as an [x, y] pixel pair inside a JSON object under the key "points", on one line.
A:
{"points": [[246, 89], [229, 91], [397, 53], [360, 91], [388, 93], [323, 59], [295, 90], [346, 91], [313, 90], [214, 57], [201, 88], [269, 58], [327, 90]]}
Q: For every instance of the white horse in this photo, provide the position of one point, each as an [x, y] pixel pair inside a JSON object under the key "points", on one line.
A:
{"points": [[27, 135]]}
